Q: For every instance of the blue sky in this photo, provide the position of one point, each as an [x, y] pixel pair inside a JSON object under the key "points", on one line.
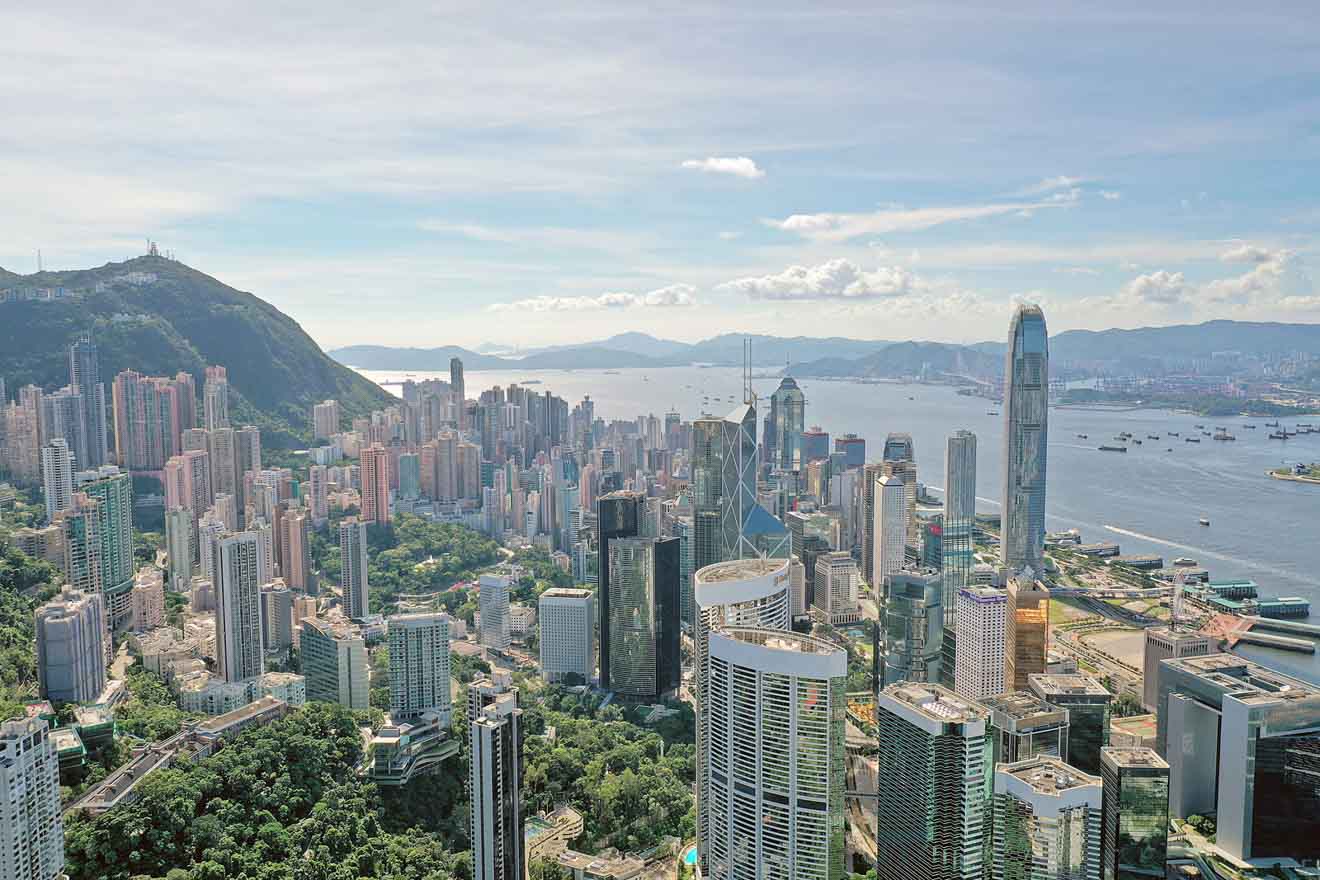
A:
{"points": [[429, 174]]}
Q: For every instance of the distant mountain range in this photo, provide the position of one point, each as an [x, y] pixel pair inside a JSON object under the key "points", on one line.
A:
{"points": [[1145, 351], [159, 317]]}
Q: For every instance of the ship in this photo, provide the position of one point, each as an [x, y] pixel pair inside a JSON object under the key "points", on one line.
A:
{"points": [[1278, 435], [1113, 449], [1192, 439], [1173, 433], [1224, 435], [1184, 561], [1205, 521], [1081, 436], [1271, 424], [1152, 436], [1136, 441]]}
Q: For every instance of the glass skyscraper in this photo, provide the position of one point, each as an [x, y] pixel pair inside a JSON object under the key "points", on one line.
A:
{"points": [[1026, 424], [956, 533], [788, 419], [1135, 818], [912, 622]]}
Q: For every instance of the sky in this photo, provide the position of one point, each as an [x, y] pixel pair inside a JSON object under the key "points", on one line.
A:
{"points": [[429, 174]]}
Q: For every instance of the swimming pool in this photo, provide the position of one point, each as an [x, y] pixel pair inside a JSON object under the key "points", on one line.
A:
{"points": [[690, 856]]}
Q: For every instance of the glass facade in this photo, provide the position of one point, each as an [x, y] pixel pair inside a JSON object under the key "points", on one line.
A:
{"points": [[1136, 814], [911, 628], [1026, 430]]}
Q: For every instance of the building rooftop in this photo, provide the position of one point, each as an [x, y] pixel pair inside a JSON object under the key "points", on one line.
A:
{"points": [[1075, 685], [219, 723], [1048, 775], [985, 594], [1144, 726], [739, 569], [936, 702], [567, 593], [1021, 707], [1245, 680], [1118, 756], [782, 640]]}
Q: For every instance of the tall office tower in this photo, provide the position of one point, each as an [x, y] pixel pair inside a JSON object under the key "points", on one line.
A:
{"points": [[788, 419], [277, 621], [180, 547], [853, 449], [1134, 815], [815, 445], [353, 567], [296, 547], [457, 389], [1025, 726], [318, 494], [890, 529], [334, 662], [835, 587], [1026, 635], [1026, 432], [238, 608], [867, 504], [222, 447], [419, 666], [188, 482], [113, 490], [62, 417], [957, 531], [375, 461], [908, 639], [31, 825], [1168, 643], [932, 812], [1046, 822], [774, 768], [900, 462], [493, 604], [1088, 705], [85, 373], [57, 476], [618, 515], [71, 647], [567, 634], [80, 535], [643, 622], [1241, 743], [410, 477], [325, 420], [707, 467], [495, 783], [982, 622], [215, 398]]}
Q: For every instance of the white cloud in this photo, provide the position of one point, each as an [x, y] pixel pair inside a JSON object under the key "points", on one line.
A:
{"points": [[1157, 288], [842, 227], [1050, 184], [739, 166], [835, 279], [1249, 253], [664, 297]]}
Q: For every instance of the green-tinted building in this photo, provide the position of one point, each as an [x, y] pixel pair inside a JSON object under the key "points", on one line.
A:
{"points": [[113, 489], [1088, 705], [1135, 820]]}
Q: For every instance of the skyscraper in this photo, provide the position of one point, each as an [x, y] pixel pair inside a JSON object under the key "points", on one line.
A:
{"points": [[957, 531], [1026, 432], [334, 662], [788, 419], [1168, 643], [1135, 814], [375, 462], [890, 528], [62, 416], [1088, 705], [318, 498], [296, 549], [31, 825], [325, 420], [238, 645], [80, 533], [1025, 726], [85, 374], [459, 392], [493, 603], [774, 767], [113, 490], [643, 617], [868, 502], [982, 622], [618, 515], [1026, 637], [57, 476], [567, 634], [222, 447], [1046, 822], [934, 759], [215, 398], [834, 591], [909, 636], [899, 461], [353, 567], [495, 782], [419, 666], [180, 547], [71, 647]]}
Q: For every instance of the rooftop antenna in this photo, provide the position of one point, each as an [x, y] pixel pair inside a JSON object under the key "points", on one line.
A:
{"points": [[40, 268]]}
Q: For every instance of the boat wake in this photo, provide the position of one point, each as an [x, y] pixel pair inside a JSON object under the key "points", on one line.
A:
{"points": [[1201, 551]]}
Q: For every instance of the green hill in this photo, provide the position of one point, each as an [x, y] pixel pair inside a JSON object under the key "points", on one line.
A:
{"points": [[158, 317]]}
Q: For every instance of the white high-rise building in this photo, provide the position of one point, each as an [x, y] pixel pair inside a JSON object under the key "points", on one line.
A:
{"points": [[890, 527], [180, 547], [215, 398], [57, 468], [495, 782], [31, 825], [982, 617], [419, 666], [1047, 821], [836, 588], [493, 603], [353, 567], [238, 648], [773, 769], [568, 634], [72, 642]]}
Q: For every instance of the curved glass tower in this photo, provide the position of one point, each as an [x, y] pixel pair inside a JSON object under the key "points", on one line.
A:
{"points": [[788, 419], [1026, 429]]}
